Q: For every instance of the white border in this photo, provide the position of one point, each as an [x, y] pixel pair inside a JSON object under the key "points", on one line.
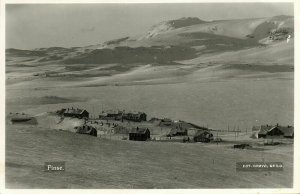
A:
{"points": [[296, 188]]}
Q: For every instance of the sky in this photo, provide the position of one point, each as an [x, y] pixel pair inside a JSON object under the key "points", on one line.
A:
{"points": [[30, 26]]}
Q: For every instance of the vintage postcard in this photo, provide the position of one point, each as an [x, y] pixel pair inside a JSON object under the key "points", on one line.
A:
{"points": [[157, 95]]}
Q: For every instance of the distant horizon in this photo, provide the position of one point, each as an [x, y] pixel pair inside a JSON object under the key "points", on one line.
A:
{"points": [[35, 26]]}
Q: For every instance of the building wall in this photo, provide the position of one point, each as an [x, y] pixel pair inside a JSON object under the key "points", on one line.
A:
{"points": [[139, 136]]}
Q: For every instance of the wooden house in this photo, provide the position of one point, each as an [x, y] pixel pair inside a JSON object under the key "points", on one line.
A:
{"points": [[74, 112], [139, 134]]}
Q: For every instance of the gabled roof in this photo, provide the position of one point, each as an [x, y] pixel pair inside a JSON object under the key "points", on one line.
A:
{"points": [[287, 131]]}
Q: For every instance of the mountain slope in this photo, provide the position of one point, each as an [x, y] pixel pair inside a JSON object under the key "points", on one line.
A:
{"points": [[188, 42], [197, 36]]}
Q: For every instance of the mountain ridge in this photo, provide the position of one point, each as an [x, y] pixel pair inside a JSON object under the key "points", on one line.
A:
{"points": [[172, 41]]}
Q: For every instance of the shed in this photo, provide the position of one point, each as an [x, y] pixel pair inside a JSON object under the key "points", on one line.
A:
{"points": [[139, 134]]}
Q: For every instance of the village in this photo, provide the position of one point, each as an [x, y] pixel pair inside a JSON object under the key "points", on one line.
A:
{"points": [[134, 126]]}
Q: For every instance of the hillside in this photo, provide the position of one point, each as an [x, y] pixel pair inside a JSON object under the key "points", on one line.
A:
{"points": [[95, 163]]}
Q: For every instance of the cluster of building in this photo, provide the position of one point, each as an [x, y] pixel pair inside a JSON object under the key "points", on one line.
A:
{"points": [[178, 128], [279, 34], [265, 131], [105, 115], [122, 115], [143, 134]]}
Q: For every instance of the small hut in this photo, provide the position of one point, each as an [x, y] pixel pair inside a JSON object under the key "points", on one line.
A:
{"points": [[139, 134]]}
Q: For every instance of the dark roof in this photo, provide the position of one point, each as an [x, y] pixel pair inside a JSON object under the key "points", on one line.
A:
{"points": [[139, 130], [287, 131]]}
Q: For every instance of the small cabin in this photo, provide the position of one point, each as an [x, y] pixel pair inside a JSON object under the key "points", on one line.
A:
{"points": [[139, 134]]}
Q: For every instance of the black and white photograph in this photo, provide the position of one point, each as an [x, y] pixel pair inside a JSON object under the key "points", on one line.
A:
{"points": [[190, 95]]}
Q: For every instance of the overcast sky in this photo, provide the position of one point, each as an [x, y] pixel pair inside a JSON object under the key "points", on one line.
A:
{"points": [[68, 25]]}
